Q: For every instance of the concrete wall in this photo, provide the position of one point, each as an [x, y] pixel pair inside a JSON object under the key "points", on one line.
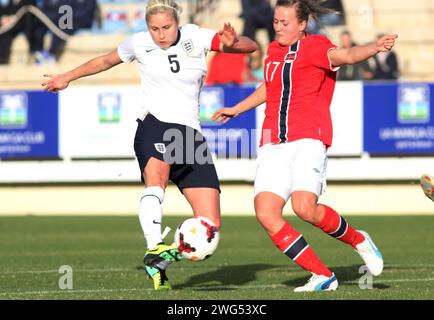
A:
{"points": [[370, 199]]}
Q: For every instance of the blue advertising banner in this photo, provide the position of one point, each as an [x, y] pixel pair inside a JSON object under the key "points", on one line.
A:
{"points": [[236, 138], [28, 125], [398, 119]]}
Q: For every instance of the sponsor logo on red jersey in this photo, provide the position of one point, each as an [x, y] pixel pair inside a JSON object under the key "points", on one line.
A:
{"points": [[290, 57]]}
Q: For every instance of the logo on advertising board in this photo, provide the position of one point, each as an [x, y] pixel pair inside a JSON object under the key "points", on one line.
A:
{"points": [[13, 110], [211, 99], [413, 103], [109, 108]]}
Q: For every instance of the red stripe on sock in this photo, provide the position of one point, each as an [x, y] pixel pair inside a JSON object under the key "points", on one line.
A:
{"points": [[330, 223], [308, 260]]}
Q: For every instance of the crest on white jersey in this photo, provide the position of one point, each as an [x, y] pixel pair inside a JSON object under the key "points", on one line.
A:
{"points": [[187, 45], [160, 147]]}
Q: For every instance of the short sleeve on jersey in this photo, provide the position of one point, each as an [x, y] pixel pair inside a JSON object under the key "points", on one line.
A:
{"points": [[319, 53], [215, 44], [209, 39], [126, 50]]}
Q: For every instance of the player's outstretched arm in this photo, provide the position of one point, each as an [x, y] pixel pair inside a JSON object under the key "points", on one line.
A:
{"points": [[255, 99], [58, 82], [358, 54], [230, 42]]}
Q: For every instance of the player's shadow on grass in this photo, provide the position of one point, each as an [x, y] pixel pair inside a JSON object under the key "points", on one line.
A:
{"points": [[224, 277], [347, 276]]}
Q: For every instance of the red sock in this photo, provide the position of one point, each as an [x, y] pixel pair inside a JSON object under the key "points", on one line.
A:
{"points": [[336, 226], [292, 243]]}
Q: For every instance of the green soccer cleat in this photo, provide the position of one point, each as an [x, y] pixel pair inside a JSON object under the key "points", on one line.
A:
{"points": [[161, 256], [159, 278]]}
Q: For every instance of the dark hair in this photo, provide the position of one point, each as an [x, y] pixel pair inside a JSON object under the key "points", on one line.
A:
{"points": [[306, 8]]}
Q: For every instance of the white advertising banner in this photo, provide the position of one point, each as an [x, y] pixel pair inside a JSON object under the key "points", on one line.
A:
{"points": [[98, 122], [347, 117]]}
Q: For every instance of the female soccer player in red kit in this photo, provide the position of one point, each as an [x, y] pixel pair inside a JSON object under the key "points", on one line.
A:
{"points": [[300, 76]]}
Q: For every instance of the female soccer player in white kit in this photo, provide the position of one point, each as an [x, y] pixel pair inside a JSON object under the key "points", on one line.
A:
{"points": [[300, 76], [172, 61]]}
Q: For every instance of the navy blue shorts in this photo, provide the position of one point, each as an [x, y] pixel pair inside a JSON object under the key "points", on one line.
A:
{"points": [[183, 147]]}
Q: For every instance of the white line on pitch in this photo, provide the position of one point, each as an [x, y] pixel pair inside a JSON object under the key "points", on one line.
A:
{"points": [[185, 289], [188, 267], [57, 271]]}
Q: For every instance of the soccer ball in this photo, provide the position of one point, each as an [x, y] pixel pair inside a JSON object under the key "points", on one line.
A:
{"points": [[197, 238], [427, 184]]}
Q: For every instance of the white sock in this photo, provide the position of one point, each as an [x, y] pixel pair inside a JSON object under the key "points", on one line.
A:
{"points": [[150, 215]]}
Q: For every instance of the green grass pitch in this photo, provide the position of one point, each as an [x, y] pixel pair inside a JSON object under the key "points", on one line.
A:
{"points": [[105, 255]]}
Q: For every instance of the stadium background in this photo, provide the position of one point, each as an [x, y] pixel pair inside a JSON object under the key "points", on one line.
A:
{"points": [[362, 166], [72, 154]]}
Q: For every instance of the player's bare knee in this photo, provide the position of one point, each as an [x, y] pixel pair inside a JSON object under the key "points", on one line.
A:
{"points": [[305, 212], [264, 217], [156, 183], [155, 179], [260, 212], [260, 216], [156, 173]]}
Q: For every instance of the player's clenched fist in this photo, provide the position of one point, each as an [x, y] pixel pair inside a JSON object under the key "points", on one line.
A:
{"points": [[386, 43]]}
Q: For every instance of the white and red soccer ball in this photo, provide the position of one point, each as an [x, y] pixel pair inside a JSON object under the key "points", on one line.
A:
{"points": [[197, 238], [427, 184]]}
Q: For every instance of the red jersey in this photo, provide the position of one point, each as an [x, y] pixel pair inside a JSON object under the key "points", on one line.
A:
{"points": [[227, 68], [300, 82]]}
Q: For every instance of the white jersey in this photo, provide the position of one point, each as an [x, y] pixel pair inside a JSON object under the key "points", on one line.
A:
{"points": [[172, 78]]}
